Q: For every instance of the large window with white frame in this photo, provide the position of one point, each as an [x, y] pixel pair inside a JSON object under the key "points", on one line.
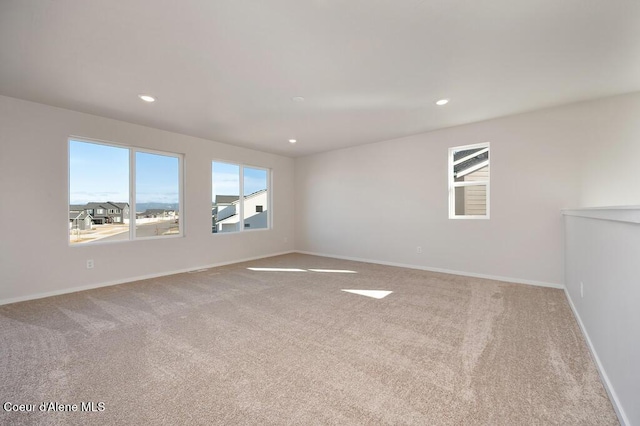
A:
{"points": [[122, 193], [469, 181], [240, 197]]}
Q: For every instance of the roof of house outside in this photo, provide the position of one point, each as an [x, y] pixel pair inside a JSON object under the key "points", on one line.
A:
{"points": [[461, 167], [225, 219], [255, 194], [78, 216], [94, 206], [226, 199], [106, 205]]}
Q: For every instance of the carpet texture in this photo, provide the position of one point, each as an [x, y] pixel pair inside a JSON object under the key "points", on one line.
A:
{"points": [[232, 345]]}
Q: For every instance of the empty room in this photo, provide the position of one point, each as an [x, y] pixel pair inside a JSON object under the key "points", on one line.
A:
{"points": [[285, 212]]}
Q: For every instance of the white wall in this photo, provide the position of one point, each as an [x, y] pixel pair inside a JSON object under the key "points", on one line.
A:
{"points": [[603, 256], [534, 173], [611, 153], [541, 162], [35, 259]]}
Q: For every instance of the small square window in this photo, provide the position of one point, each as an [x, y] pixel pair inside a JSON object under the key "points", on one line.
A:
{"points": [[258, 209]]}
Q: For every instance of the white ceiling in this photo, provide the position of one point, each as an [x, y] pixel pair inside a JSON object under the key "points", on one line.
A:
{"points": [[369, 70]]}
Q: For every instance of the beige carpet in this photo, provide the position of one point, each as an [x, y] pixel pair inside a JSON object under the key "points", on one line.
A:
{"points": [[237, 346]]}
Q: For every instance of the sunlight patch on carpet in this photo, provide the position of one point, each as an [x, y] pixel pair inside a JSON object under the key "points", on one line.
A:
{"points": [[376, 294], [278, 269], [340, 271]]}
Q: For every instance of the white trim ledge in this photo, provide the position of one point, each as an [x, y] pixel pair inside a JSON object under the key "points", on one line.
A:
{"points": [[629, 214]]}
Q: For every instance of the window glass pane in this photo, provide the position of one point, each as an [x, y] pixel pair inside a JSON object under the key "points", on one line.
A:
{"points": [[157, 195], [225, 184], [472, 164], [98, 183], [255, 199], [471, 200]]}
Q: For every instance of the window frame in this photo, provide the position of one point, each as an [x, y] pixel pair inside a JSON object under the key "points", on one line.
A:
{"points": [[133, 150], [241, 224], [453, 184]]}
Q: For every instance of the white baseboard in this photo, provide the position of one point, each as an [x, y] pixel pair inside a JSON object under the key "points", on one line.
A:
{"points": [[622, 417], [444, 271], [179, 271], [128, 280]]}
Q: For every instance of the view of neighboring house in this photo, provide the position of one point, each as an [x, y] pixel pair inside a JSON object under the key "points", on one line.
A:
{"points": [[79, 219], [225, 210], [224, 207], [472, 200], [82, 216], [103, 212]]}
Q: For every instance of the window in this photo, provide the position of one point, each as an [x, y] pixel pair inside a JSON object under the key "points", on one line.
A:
{"points": [[469, 182], [225, 182], [125, 182], [157, 187], [239, 192], [255, 193]]}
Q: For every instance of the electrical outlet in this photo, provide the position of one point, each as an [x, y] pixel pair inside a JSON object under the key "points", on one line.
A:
{"points": [[418, 249], [581, 289], [89, 263]]}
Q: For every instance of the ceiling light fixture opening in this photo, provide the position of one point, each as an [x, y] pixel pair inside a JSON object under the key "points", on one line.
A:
{"points": [[292, 141], [147, 98], [297, 99], [442, 102]]}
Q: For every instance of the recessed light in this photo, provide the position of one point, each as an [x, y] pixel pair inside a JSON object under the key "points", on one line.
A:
{"points": [[442, 102], [292, 141], [297, 99], [147, 98]]}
